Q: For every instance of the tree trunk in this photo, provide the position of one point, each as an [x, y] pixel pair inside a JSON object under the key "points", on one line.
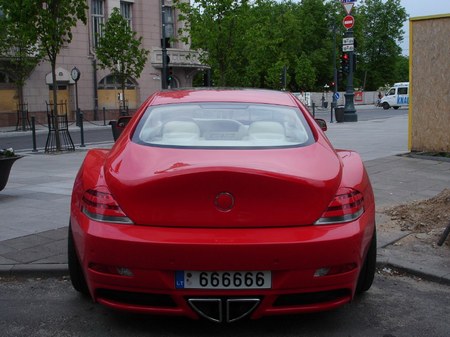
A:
{"points": [[54, 116]]}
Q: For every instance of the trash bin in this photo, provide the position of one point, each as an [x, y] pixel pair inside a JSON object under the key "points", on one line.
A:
{"points": [[339, 114], [118, 126], [116, 133]]}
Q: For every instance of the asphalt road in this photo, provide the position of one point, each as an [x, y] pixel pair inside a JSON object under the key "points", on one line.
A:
{"points": [[95, 133], [365, 113], [395, 306], [24, 141]]}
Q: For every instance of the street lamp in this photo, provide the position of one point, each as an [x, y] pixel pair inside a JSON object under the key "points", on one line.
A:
{"points": [[163, 46], [349, 109]]}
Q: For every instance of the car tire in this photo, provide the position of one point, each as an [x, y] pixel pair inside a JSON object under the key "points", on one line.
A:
{"points": [[75, 271], [367, 273], [396, 107], [386, 106]]}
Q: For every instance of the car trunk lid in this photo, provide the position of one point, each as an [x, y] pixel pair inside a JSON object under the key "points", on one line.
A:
{"points": [[223, 188]]}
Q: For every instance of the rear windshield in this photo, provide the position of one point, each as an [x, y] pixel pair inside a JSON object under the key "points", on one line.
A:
{"points": [[223, 125]]}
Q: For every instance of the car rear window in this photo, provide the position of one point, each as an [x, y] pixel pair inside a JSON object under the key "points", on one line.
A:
{"points": [[223, 125]]}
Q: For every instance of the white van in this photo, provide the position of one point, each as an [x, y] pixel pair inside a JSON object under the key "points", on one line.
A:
{"points": [[396, 96]]}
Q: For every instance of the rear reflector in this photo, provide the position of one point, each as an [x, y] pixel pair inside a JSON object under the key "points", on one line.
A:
{"points": [[344, 268], [105, 269], [99, 205], [347, 205]]}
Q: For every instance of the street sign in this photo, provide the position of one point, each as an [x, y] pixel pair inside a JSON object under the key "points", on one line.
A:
{"points": [[347, 1], [348, 21], [336, 96], [348, 47], [348, 40], [348, 7]]}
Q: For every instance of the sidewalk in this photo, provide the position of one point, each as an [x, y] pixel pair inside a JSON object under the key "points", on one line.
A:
{"points": [[34, 209]]}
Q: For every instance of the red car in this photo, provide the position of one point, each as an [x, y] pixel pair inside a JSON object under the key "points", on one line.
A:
{"points": [[222, 204]]}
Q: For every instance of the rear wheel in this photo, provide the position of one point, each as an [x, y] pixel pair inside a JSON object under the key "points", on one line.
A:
{"points": [[367, 273], [396, 107], [75, 270], [386, 105]]}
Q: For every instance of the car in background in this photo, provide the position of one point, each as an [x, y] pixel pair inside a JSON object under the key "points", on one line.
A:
{"points": [[222, 204], [396, 97]]}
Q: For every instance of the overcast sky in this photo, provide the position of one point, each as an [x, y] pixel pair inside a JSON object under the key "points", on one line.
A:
{"points": [[421, 8]]}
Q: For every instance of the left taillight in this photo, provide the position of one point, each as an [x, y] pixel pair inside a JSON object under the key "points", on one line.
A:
{"points": [[98, 204], [347, 205]]}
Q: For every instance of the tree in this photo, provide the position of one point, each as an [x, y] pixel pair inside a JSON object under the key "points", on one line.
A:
{"points": [[54, 22], [381, 33], [305, 73], [19, 48], [216, 27], [246, 41], [120, 51]]}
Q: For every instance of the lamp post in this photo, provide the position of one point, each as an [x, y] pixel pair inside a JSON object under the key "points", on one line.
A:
{"points": [[349, 109], [163, 47], [335, 79]]}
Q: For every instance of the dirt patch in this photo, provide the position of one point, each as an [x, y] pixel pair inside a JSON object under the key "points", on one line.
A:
{"points": [[427, 219]]}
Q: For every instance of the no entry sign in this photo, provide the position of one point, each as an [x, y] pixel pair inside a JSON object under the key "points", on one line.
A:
{"points": [[348, 21]]}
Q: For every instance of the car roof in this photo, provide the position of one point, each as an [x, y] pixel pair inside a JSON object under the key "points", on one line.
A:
{"points": [[262, 96]]}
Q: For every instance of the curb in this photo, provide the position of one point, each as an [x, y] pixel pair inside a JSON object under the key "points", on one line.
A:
{"points": [[414, 272], [34, 270], [384, 263]]}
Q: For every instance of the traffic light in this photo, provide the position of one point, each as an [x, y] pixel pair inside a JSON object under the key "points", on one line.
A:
{"points": [[340, 76], [169, 76], [345, 63]]}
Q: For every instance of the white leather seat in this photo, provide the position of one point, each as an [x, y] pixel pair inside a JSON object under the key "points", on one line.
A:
{"points": [[265, 130], [180, 130]]}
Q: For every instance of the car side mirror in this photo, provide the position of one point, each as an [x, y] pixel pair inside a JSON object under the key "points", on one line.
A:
{"points": [[118, 126], [123, 121], [321, 122]]}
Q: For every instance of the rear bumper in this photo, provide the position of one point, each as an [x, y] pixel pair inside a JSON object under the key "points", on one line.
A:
{"points": [[154, 254]]}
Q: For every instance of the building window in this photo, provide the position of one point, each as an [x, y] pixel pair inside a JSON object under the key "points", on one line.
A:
{"points": [[126, 11], [110, 82], [5, 78], [98, 19]]}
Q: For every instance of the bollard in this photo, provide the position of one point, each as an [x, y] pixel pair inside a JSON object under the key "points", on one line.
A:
{"points": [[33, 132], [333, 106], [80, 114], [314, 109], [77, 117], [104, 116]]}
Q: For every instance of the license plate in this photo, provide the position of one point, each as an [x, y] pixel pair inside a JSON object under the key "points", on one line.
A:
{"points": [[223, 280]]}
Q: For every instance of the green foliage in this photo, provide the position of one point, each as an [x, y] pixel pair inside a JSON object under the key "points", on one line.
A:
{"points": [[119, 50], [402, 69], [379, 50], [305, 73], [245, 42], [19, 50], [54, 22]]}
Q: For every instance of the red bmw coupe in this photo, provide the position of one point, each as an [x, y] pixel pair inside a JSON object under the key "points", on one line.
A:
{"points": [[222, 204]]}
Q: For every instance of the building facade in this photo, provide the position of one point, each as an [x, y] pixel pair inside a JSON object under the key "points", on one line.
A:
{"points": [[96, 90]]}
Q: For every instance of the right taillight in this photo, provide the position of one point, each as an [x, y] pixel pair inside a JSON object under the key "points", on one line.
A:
{"points": [[98, 204], [347, 205]]}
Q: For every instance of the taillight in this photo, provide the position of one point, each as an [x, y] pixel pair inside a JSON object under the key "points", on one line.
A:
{"points": [[98, 204], [347, 205]]}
